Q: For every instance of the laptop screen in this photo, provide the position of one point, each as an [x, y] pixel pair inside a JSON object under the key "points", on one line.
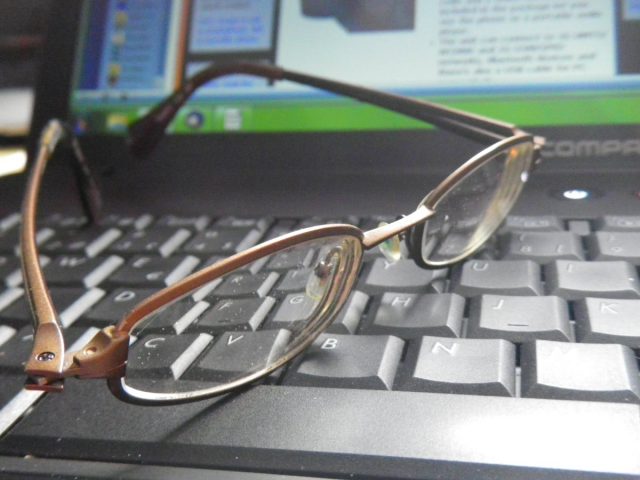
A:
{"points": [[542, 63]]}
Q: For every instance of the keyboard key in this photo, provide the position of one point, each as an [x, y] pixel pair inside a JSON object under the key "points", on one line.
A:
{"points": [[153, 271], [64, 221], [259, 223], [198, 222], [403, 275], [10, 386], [280, 227], [376, 433], [519, 319], [89, 241], [251, 239], [6, 333], [542, 247], [224, 241], [70, 302], [9, 241], [541, 223], [70, 270], [114, 307], [349, 361], [466, 366], [293, 308], [506, 277], [9, 296], [315, 221], [10, 221], [298, 306], [15, 279], [74, 311], [606, 373], [294, 281], [160, 241], [619, 223], [165, 356], [237, 314], [253, 267], [247, 285], [16, 401], [176, 318], [235, 353], [573, 280], [348, 319], [290, 259], [373, 431], [603, 320], [579, 227], [8, 265], [414, 315], [137, 222], [616, 246]]}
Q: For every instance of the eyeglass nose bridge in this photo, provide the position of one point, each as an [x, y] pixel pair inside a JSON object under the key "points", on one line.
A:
{"points": [[382, 233], [394, 248]]}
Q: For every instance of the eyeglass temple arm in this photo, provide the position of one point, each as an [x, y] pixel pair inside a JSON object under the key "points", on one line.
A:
{"points": [[47, 358], [145, 134]]}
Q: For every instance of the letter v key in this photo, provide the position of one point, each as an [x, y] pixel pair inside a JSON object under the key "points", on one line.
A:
{"points": [[231, 340]]}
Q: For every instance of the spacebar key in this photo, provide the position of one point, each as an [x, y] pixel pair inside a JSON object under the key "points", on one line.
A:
{"points": [[374, 433]]}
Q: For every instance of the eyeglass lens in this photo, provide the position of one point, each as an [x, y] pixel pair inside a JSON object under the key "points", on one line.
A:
{"points": [[468, 214], [244, 322]]}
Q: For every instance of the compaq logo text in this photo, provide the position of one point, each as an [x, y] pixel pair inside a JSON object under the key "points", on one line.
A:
{"points": [[591, 148]]}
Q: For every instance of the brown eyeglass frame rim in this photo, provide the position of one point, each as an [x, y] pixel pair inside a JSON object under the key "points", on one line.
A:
{"points": [[202, 277], [433, 198], [105, 355]]}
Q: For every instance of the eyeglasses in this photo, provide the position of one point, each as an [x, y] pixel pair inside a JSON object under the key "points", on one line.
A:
{"points": [[234, 322]]}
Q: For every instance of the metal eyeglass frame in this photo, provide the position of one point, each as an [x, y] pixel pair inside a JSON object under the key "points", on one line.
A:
{"points": [[105, 355]]}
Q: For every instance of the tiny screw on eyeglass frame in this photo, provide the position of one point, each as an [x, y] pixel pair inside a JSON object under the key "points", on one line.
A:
{"points": [[449, 224]]}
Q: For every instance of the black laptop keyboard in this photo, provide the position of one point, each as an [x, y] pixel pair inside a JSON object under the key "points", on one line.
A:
{"points": [[547, 310]]}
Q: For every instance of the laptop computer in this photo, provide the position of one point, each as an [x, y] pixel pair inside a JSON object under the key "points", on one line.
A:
{"points": [[249, 157]]}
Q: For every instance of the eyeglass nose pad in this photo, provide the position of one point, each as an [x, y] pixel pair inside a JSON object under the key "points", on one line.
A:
{"points": [[322, 273], [393, 248]]}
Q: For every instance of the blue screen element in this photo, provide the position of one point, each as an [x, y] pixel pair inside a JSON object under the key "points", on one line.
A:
{"points": [[230, 25], [134, 46], [631, 10]]}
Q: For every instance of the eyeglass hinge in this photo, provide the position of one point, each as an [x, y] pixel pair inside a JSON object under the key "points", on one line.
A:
{"points": [[104, 356], [44, 384]]}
